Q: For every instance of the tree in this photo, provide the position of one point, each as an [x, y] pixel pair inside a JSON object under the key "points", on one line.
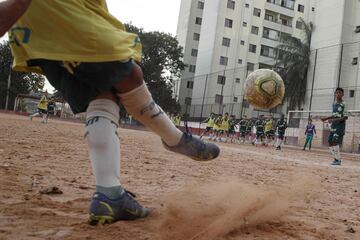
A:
{"points": [[294, 63], [161, 63], [21, 82]]}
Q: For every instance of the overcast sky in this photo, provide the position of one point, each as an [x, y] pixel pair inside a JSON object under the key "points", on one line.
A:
{"points": [[154, 15]]}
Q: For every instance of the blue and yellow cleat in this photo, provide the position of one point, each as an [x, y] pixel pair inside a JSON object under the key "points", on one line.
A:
{"points": [[104, 210], [336, 162], [195, 148]]}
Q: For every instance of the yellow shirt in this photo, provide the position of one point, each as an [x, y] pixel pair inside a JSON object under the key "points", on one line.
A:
{"points": [[268, 125], [225, 124], [210, 122], [43, 103], [70, 30]]}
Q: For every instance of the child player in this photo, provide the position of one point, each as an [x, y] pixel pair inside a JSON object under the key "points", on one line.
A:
{"points": [[243, 125], [281, 126], [310, 131], [89, 57], [337, 121]]}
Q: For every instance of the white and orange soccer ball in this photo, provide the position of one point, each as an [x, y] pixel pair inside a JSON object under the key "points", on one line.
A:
{"points": [[264, 89]]}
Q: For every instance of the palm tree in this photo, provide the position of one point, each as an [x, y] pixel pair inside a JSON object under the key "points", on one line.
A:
{"points": [[293, 64]]}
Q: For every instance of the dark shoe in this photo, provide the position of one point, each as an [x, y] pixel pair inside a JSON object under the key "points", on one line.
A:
{"points": [[104, 210], [336, 162], [195, 148]]}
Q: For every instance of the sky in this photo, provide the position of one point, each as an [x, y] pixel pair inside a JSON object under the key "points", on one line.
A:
{"points": [[154, 15]]}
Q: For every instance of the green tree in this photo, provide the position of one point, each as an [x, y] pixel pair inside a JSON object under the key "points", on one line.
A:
{"points": [[294, 63], [21, 83], [161, 63]]}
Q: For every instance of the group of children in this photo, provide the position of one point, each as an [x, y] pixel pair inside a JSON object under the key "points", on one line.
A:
{"points": [[224, 127], [45, 107]]}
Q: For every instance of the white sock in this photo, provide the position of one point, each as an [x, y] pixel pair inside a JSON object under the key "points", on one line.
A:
{"points": [[336, 152], [139, 103], [331, 148], [34, 114], [103, 142]]}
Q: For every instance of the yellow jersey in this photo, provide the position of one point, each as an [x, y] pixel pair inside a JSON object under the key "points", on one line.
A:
{"points": [[43, 104], [225, 124], [269, 125], [69, 30], [210, 122]]}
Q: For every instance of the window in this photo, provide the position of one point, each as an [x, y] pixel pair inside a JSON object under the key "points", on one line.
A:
{"points": [[188, 101], [221, 79], [351, 93], [200, 5], [285, 22], [247, 5], [235, 99], [300, 8], [269, 17], [252, 48], [250, 66], [299, 25], [231, 4], [192, 68], [242, 42], [271, 34], [196, 37], [223, 60], [190, 84], [244, 24], [254, 30], [194, 52], [237, 80], [257, 12], [313, 9], [228, 23], [198, 20], [268, 51], [226, 42], [218, 98], [239, 61], [354, 61], [357, 29]]}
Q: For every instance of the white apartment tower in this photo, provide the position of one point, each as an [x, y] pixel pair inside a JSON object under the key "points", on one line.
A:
{"points": [[336, 44], [224, 40]]}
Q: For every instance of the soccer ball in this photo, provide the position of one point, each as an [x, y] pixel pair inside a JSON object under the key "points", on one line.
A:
{"points": [[264, 89]]}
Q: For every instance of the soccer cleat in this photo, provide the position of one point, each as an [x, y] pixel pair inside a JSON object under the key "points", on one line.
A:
{"points": [[104, 210], [336, 162], [195, 148]]}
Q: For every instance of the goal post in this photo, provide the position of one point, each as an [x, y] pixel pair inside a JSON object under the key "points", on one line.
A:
{"points": [[297, 121]]}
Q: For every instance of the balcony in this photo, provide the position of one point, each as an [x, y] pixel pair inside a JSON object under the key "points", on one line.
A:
{"points": [[283, 7], [278, 26]]}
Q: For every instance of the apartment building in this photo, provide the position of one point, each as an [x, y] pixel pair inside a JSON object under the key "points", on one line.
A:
{"points": [[224, 40]]}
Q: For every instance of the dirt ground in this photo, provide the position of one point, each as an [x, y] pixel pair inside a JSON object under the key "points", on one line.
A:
{"points": [[247, 193]]}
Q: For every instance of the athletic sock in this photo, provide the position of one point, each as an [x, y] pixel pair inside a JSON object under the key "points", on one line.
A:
{"points": [[331, 148], [104, 146], [139, 103], [337, 152]]}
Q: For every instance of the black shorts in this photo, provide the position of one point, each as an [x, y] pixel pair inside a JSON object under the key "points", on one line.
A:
{"points": [[270, 133], [281, 135], [260, 134], [243, 133], [208, 129], [336, 137], [87, 81], [42, 111]]}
